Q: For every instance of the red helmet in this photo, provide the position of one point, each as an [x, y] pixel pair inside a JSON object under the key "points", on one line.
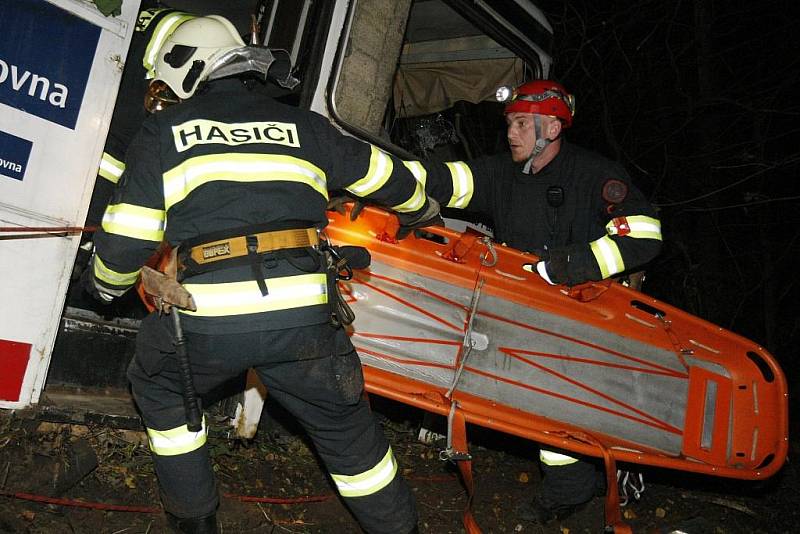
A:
{"points": [[543, 97]]}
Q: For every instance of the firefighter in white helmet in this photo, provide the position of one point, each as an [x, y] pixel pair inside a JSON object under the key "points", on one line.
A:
{"points": [[239, 183]]}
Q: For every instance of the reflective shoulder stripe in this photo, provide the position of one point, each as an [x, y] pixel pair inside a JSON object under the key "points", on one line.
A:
{"points": [[176, 441], [370, 481], [237, 298], [111, 277], [555, 458], [608, 256], [162, 31], [134, 221], [418, 170], [636, 226], [463, 184], [111, 168], [180, 181], [380, 168]]}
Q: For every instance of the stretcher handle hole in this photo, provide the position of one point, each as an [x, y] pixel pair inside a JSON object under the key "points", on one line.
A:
{"points": [[762, 365], [652, 310], [430, 236], [766, 461]]}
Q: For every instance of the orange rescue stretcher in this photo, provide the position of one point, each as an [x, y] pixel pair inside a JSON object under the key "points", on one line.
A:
{"points": [[452, 324]]}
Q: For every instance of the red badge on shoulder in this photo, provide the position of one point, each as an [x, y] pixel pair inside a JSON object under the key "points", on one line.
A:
{"points": [[614, 191]]}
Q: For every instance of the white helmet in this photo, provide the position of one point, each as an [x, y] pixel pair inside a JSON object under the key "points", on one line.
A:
{"points": [[190, 54]]}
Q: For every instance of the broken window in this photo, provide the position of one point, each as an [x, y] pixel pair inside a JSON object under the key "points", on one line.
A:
{"points": [[421, 75]]}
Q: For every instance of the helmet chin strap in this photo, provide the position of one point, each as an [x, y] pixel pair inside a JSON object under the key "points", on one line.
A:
{"points": [[540, 144]]}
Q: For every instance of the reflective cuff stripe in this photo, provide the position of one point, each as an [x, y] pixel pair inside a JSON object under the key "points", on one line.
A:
{"points": [[163, 30], [180, 181], [135, 221], [415, 203], [110, 168], [380, 168], [554, 458], [419, 172], [463, 184], [176, 440], [608, 257], [237, 298], [368, 482], [635, 226], [111, 277]]}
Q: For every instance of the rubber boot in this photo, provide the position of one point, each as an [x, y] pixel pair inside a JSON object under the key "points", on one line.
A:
{"points": [[193, 525]]}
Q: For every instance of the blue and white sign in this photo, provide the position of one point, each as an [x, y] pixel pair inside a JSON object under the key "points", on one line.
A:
{"points": [[14, 154], [47, 80]]}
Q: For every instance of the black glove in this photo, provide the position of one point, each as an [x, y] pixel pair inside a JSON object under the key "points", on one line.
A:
{"points": [[427, 217], [89, 284], [337, 204], [357, 257]]}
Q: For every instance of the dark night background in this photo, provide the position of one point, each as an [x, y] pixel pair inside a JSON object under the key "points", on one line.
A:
{"points": [[699, 101]]}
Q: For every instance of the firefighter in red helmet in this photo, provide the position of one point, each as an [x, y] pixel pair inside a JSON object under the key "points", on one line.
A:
{"points": [[576, 210]]}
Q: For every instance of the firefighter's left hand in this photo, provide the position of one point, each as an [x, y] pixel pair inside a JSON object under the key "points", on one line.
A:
{"points": [[337, 204]]}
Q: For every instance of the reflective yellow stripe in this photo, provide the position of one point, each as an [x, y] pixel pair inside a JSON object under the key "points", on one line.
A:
{"points": [[380, 168], [237, 298], [608, 257], [418, 170], [111, 277], [176, 440], [554, 458], [135, 221], [414, 203], [111, 168], [641, 227], [194, 172], [164, 29], [368, 482], [463, 184]]}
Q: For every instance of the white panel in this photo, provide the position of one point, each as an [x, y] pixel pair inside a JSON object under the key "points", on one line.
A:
{"points": [[51, 156]]}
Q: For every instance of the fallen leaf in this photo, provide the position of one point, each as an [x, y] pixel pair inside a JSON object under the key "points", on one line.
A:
{"points": [[660, 512], [28, 515], [523, 477], [629, 514]]}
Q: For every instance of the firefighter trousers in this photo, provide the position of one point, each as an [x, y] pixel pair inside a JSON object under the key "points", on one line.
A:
{"points": [[313, 372]]}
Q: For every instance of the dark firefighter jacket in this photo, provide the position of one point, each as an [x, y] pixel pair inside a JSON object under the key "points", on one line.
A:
{"points": [[230, 158], [153, 26], [581, 207]]}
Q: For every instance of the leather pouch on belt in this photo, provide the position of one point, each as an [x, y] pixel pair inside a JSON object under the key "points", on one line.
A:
{"points": [[154, 343]]}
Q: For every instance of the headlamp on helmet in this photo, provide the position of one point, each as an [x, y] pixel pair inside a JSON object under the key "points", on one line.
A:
{"points": [[504, 93]]}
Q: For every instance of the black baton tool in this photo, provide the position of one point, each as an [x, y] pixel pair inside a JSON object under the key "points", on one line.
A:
{"points": [[194, 420]]}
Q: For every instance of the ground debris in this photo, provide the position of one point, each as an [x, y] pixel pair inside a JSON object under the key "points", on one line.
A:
{"points": [[280, 465]]}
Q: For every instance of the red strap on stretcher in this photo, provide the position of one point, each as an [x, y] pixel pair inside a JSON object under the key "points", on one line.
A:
{"points": [[613, 515], [459, 438]]}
